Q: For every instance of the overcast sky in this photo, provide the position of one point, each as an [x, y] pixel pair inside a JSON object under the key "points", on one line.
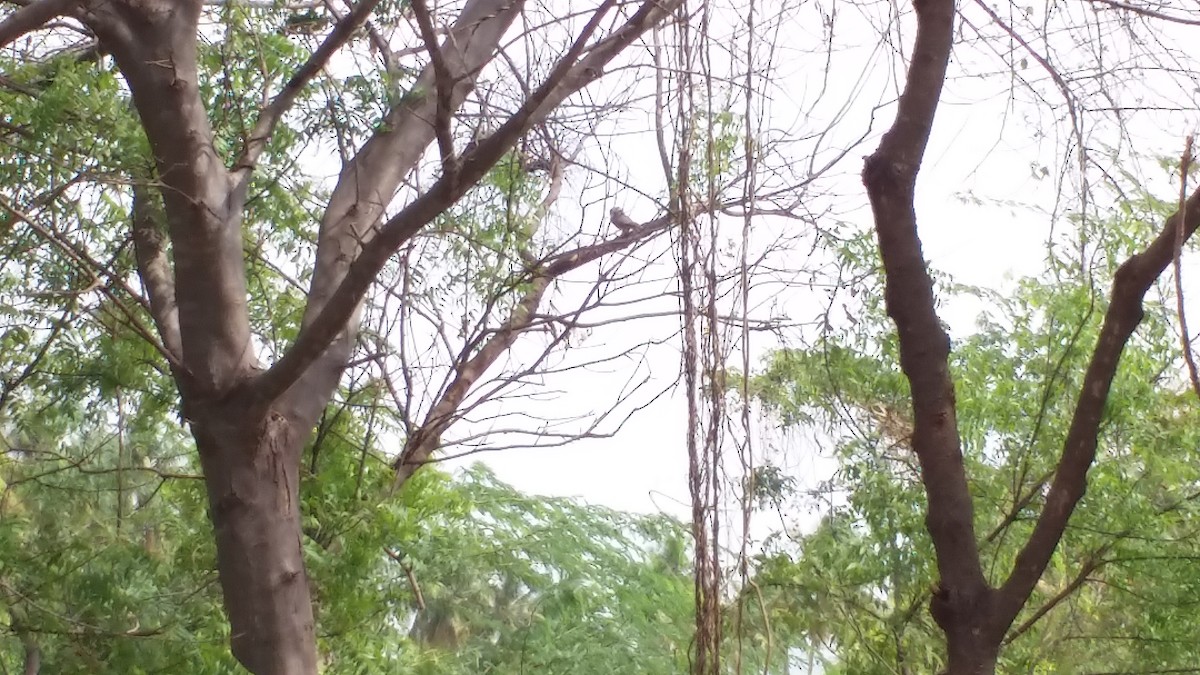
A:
{"points": [[990, 144]]}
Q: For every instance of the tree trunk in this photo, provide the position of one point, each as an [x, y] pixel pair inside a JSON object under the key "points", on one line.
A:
{"points": [[251, 425], [971, 659], [251, 468], [971, 651], [967, 616]]}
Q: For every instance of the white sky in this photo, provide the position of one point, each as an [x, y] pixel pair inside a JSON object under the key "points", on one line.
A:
{"points": [[983, 144]]}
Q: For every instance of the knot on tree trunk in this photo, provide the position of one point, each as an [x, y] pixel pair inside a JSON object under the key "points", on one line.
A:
{"points": [[967, 616]]}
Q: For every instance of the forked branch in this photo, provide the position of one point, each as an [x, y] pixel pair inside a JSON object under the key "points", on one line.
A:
{"points": [[570, 75], [427, 438], [1130, 285]]}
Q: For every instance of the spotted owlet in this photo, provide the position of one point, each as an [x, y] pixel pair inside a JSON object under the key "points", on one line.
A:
{"points": [[623, 222]]}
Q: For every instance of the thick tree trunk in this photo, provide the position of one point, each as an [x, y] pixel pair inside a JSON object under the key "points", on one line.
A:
{"points": [[971, 658], [972, 649], [251, 468], [967, 616]]}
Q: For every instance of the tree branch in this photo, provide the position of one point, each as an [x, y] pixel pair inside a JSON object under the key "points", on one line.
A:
{"points": [[890, 176], [154, 45], [1148, 12], [154, 267], [1185, 340], [94, 269], [427, 437], [443, 87], [32, 17], [1094, 561], [335, 316], [1130, 285], [273, 112], [369, 182]]}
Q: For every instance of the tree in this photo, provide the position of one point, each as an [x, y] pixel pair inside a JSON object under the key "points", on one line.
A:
{"points": [[511, 582], [97, 579], [974, 613], [1110, 598], [195, 190]]}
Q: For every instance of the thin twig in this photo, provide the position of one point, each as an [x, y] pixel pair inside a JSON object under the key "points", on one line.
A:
{"points": [[1148, 12], [273, 112], [1185, 163]]}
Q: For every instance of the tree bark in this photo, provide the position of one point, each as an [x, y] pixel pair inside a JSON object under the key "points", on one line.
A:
{"points": [[251, 469], [971, 657], [33, 654], [972, 636], [963, 601]]}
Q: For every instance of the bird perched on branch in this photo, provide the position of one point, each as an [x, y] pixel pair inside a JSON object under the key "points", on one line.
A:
{"points": [[623, 222]]}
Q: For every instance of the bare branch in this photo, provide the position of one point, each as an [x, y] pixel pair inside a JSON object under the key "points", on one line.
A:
{"points": [[1185, 341], [418, 596], [370, 179], [427, 437], [1147, 11], [570, 75], [10, 384], [32, 17], [420, 445], [264, 4]]}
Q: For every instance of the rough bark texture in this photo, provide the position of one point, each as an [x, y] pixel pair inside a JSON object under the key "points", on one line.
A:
{"points": [[154, 44], [251, 469], [973, 615]]}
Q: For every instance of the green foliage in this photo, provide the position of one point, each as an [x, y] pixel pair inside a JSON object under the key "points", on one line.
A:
{"points": [[106, 554], [546, 585], [722, 132], [125, 582], [106, 565]]}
